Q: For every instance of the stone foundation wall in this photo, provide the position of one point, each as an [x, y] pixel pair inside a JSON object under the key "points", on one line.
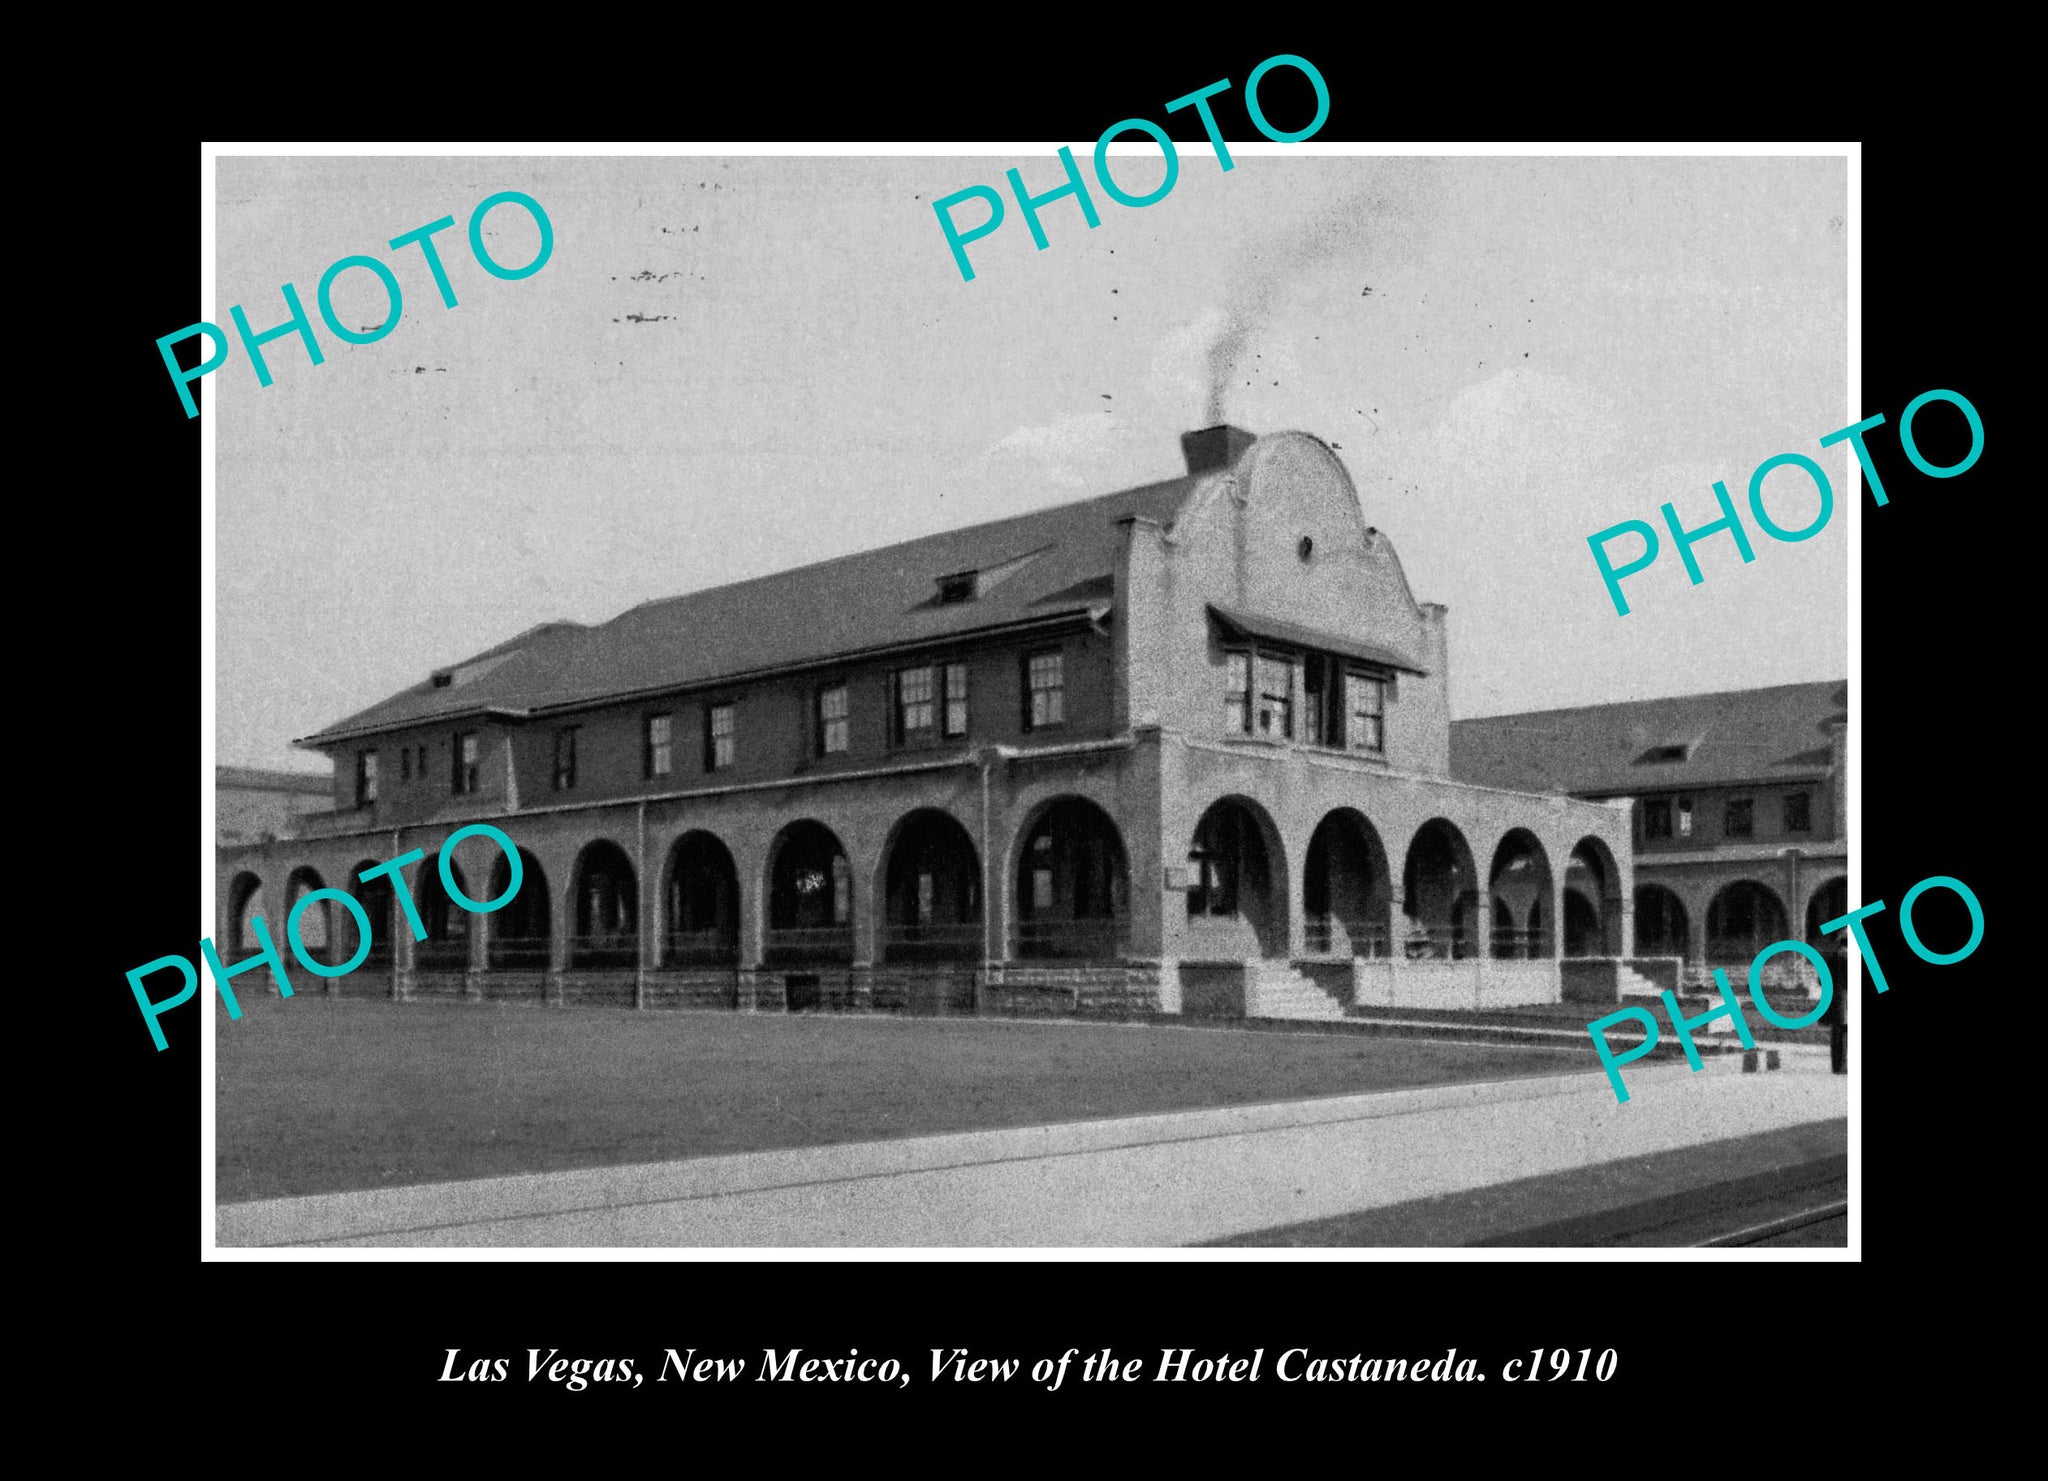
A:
{"points": [[1072, 989], [1212, 989], [530, 988], [693, 987], [611, 987], [1590, 980], [437, 987]]}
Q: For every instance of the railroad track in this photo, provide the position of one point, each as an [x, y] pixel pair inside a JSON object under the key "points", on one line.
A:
{"points": [[1766, 1232]]}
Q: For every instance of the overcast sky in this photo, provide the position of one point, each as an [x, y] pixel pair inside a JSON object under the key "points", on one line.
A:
{"points": [[732, 366]]}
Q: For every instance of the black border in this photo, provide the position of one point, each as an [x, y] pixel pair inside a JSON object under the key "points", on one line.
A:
{"points": [[1933, 298]]}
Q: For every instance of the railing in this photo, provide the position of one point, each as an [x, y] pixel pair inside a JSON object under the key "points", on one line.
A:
{"points": [[519, 953], [712, 948], [1438, 943], [810, 944], [1091, 939], [1322, 936], [1517, 944], [611, 949], [950, 941]]}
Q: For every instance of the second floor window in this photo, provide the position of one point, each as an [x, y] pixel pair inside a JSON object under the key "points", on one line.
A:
{"points": [[1046, 690], [1685, 817], [463, 776], [660, 745], [1276, 697], [565, 758], [405, 763], [835, 729], [1798, 812], [1657, 818], [956, 700], [1739, 820], [913, 704], [718, 737], [366, 778], [1367, 698], [1237, 693]]}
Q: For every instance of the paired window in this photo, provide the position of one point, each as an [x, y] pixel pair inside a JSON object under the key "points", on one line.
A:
{"points": [[1657, 818], [660, 748], [366, 778], [1045, 690], [1367, 698], [1798, 812], [956, 701], [565, 758], [835, 727], [718, 737], [405, 763], [914, 712], [1685, 817], [1738, 819], [1342, 707], [1275, 705], [1237, 693], [464, 755]]}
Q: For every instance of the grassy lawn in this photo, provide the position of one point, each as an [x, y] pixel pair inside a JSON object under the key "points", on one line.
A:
{"points": [[322, 1096]]}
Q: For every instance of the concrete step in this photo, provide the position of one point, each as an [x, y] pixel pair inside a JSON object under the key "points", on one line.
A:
{"points": [[1633, 984], [1277, 990]]}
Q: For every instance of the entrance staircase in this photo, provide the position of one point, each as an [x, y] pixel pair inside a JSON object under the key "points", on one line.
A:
{"points": [[1274, 989], [1632, 984]]}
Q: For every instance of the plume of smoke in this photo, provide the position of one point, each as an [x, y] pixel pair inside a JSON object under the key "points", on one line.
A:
{"points": [[1361, 224]]}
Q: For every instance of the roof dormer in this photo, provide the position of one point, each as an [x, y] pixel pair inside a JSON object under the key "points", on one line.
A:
{"points": [[972, 585]]}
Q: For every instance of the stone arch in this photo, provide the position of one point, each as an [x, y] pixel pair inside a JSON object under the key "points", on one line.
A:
{"points": [[1520, 880], [1072, 882], [380, 904], [931, 891], [1829, 901], [518, 934], [604, 925], [317, 926], [1347, 887], [1593, 926], [446, 948], [1662, 926], [1742, 919], [1438, 877], [245, 903], [700, 902], [1237, 892], [810, 896]]}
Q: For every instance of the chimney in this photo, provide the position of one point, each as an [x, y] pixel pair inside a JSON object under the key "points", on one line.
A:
{"points": [[1214, 447]]}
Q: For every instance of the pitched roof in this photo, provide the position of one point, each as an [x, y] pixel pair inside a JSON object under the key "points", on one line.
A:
{"points": [[1652, 745], [1063, 561], [258, 779]]}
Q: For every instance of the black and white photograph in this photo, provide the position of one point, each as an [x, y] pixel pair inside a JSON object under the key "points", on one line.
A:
{"points": [[840, 700]]}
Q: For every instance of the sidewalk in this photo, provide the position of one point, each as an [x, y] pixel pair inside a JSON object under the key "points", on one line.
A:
{"points": [[1146, 1181]]}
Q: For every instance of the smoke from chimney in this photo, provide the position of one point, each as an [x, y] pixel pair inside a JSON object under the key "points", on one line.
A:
{"points": [[1363, 223]]}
